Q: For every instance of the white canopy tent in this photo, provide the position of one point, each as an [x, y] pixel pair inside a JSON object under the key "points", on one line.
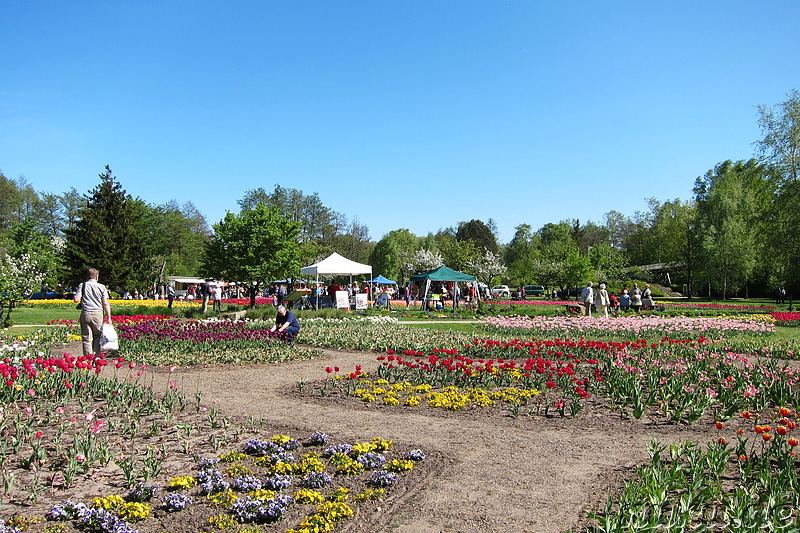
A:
{"points": [[336, 265]]}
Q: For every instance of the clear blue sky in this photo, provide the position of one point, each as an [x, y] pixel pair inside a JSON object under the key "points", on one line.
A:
{"points": [[413, 114]]}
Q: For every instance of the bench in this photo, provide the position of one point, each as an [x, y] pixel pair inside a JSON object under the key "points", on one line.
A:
{"points": [[234, 315]]}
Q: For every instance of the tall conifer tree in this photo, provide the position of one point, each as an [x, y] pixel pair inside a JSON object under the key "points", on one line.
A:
{"points": [[111, 235]]}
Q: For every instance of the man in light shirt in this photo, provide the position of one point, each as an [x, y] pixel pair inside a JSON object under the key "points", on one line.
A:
{"points": [[95, 310], [587, 296]]}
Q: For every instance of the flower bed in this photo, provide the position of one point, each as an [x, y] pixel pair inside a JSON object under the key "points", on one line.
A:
{"points": [[64, 425], [170, 342], [628, 327], [745, 481], [312, 484], [677, 379], [790, 320]]}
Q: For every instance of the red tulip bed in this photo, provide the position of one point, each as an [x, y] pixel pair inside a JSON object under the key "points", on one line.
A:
{"points": [[66, 421], [88, 444], [752, 404]]}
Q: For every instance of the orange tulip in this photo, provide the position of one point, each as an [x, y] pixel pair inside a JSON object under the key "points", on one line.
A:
{"points": [[719, 425], [792, 442], [784, 411]]}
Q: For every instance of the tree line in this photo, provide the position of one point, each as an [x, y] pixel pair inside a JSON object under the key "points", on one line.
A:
{"points": [[735, 237]]}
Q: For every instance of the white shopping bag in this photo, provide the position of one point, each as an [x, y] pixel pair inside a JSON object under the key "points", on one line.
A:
{"points": [[108, 342]]}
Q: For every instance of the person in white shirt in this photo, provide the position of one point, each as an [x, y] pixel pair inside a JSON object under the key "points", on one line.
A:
{"points": [[602, 301], [587, 296]]}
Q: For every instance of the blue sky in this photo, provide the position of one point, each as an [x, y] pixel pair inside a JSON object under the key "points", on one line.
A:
{"points": [[399, 114]]}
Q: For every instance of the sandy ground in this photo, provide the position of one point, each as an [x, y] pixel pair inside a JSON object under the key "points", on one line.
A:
{"points": [[496, 473]]}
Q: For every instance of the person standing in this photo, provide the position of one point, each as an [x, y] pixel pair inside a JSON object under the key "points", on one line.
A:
{"points": [[602, 301], [170, 296], [636, 297], [95, 311], [217, 298], [205, 294], [587, 297], [286, 323]]}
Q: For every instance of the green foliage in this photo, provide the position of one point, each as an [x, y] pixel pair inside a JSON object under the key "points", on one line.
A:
{"points": [[731, 200], [391, 255], [179, 235], [259, 245], [457, 254], [111, 235], [479, 233], [521, 256]]}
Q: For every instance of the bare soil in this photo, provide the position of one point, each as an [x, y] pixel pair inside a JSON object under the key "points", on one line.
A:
{"points": [[486, 470], [491, 471]]}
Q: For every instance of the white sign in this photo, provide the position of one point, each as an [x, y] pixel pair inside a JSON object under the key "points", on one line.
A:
{"points": [[342, 300], [361, 300]]}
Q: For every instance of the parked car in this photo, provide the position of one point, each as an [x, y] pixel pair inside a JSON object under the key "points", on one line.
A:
{"points": [[50, 295], [501, 290], [534, 290]]}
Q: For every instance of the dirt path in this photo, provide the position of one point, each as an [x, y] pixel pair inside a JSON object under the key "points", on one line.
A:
{"points": [[500, 473]]}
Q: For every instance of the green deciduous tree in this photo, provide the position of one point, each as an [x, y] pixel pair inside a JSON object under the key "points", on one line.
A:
{"points": [[457, 254], [522, 255], [781, 143], [392, 253], [731, 201], [317, 222], [780, 148], [259, 244], [179, 236], [479, 233]]}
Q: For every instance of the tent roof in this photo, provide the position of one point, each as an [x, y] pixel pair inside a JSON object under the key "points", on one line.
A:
{"points": [[336, 265], [183, 279], [380, 279], [443, 274]]}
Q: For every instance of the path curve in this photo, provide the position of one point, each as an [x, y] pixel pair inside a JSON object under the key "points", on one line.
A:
{"points": [[503, 474]]}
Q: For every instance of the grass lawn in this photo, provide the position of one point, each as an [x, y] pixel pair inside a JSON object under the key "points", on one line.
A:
{"points": [[24, 316]]}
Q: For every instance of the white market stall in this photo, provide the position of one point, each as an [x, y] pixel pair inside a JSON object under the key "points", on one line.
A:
{"points": [[336, 265]]}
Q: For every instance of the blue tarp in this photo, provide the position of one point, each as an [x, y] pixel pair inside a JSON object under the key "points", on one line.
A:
{"points": [[382, 280]]}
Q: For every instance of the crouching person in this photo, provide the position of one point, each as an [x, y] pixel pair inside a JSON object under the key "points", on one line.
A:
{"points": [[286, 323]]}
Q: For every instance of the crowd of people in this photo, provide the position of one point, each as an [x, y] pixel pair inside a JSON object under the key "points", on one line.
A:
{"points": [[607, 303]]}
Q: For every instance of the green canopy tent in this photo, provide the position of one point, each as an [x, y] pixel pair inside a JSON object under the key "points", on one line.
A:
{"points": [[440, 274]]}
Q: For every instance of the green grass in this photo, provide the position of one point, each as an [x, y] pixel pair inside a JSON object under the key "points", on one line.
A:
{"points": [[25, 316], [787, 333]]}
